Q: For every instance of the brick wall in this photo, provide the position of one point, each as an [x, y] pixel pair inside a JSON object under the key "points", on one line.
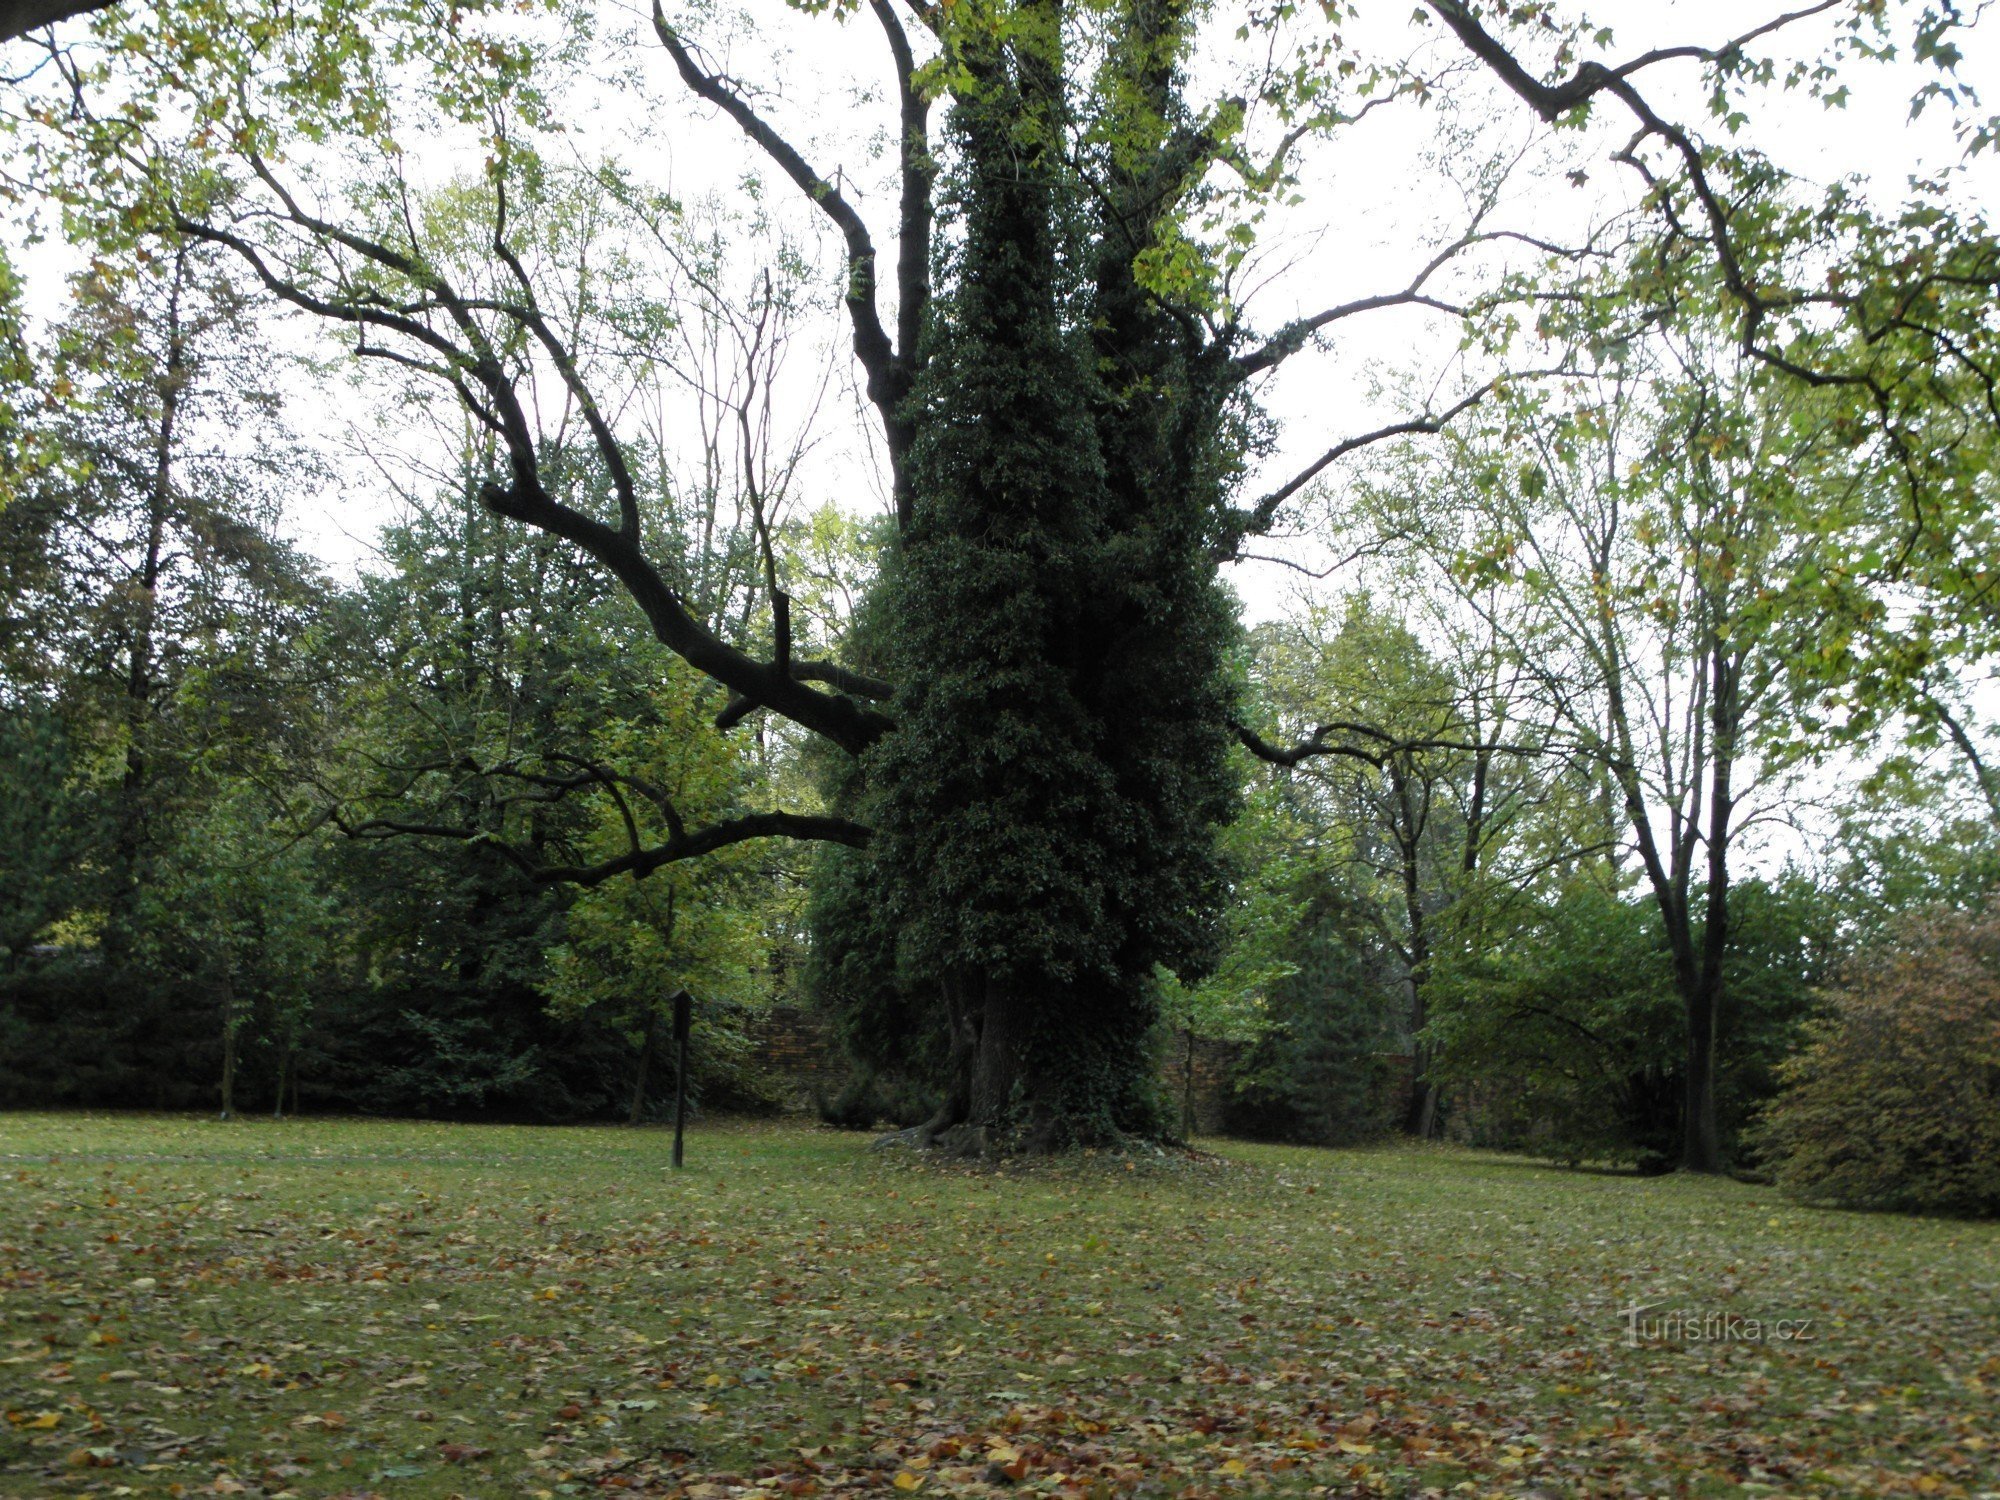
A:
{"points": [[1214, 1063], [798, 1050]]}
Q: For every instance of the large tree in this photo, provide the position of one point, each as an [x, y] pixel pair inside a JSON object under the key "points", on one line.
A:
{"points": [[1063, 382], [1651, 547]]}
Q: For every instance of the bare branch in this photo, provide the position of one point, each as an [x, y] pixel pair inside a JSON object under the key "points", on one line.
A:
{"points": [[1258, 519], [1553, 100], [638, 862], [887, 383]]}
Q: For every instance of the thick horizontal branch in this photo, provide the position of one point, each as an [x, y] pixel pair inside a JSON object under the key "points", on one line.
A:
{"points": [[1319, 744], [637, 863], [19, 17], [844, 679], [1376, 748], [841, 679], [838, 718], [767, 825]]}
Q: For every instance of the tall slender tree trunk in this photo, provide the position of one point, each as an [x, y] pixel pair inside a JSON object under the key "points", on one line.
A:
{"points": [[229, 1030], [1420, 1116], [128, 839], [284, 1077], [637, 1112], [1187, 1086], [1701, 1146], [1701, 1140]]}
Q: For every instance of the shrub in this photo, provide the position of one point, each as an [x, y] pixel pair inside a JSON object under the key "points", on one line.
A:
{"points": [[1895, 1100], [869, 1098]]}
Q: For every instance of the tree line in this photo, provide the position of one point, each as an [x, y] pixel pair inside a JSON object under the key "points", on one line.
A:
{"points": [[1699, 501]]}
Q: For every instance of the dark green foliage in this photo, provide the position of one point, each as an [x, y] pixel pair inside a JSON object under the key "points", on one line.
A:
{"points": [[51, 820], [1044, 810], [70, 1036], [1784, 948], [1327, 1072], [885, 1020], [1567, 1041], [868, 1099]]}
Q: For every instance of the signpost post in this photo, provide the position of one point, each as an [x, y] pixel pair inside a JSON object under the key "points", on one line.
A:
{"points": [[683, 1015]]}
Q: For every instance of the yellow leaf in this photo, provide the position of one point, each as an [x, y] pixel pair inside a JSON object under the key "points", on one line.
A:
{"points": [[906, 1481], [45, 1421]]}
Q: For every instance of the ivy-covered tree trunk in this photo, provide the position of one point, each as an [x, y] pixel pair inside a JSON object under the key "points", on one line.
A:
{"points": [[1044, 810]]}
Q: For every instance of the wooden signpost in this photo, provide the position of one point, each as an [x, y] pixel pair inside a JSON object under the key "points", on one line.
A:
{"points": [[683, 1016]]}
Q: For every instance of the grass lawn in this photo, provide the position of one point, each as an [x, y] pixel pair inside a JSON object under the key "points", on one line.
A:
{"points": [[325, 1308]]}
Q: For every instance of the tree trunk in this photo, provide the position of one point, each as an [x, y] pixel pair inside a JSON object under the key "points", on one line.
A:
{"points": [[128, 837], [1421, 1114], [229, 1029], [996, 1065], [995, 1102], [284, 1076], [1701, 1142], [1701, 1148], [1420, 1119], [1187, 1087], [638, 1110], [962, 1019]]}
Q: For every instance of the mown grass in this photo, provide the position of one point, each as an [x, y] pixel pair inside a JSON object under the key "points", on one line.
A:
{"points": [[325, 1308]]}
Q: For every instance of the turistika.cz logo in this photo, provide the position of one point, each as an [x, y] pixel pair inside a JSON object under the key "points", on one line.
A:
{"points": [[1655, 1324]]}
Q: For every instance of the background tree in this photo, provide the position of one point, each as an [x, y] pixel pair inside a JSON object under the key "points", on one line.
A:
{"points": [[152, 605], [1419, 759], [1066, 424], [1660, 552]]}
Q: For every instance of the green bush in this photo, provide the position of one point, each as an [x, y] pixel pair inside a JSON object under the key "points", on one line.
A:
{"points": [[1568, 1039], [869, 1098], [1894, 1102]]}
